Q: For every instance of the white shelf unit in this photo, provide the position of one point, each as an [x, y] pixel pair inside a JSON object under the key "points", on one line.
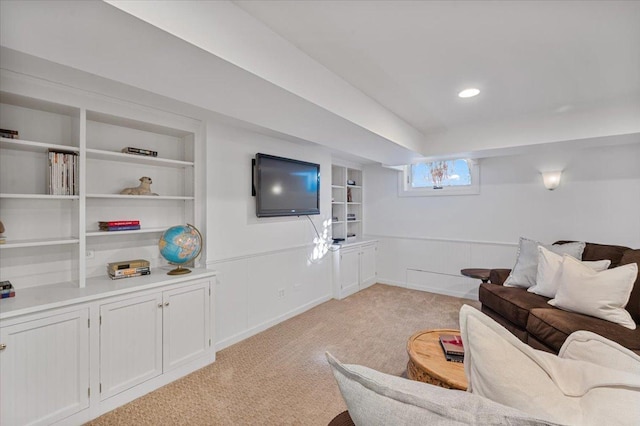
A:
{"points": [[108, 171], [138, 197], [40, 242], [136, 159], [54, 239], [346, 202], [42, 230], [41, 196]]}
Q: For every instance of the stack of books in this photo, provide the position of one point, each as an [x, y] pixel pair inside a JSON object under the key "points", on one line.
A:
{"points": [[140, 151], [7, 290], [119, 225], [63, 173], [128, 269], [351, 216], [9, 134], [452, 347]]}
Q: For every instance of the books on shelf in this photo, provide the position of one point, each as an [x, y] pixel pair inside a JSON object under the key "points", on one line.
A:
{"points": [[9, 134], [118, 222], [119, 225], [129, 273], [120, 228], [140, 151], [452, 347], [128, 269], [7, 290], [63, 176]]}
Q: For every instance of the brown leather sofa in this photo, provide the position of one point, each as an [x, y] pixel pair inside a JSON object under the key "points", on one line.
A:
{"points": [[542, 326]]}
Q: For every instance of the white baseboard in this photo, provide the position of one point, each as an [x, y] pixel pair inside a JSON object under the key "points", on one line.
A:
{"points": [[394, 283], [270, 323]]}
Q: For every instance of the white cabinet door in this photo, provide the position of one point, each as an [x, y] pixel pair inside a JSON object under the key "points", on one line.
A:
{"points": [[349, 271], [130, 343], [185, 324], [354, 268], [367, 266], [44, 369]]}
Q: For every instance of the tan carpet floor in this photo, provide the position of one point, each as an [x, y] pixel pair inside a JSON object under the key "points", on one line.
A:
{"points": [[281, 377]]}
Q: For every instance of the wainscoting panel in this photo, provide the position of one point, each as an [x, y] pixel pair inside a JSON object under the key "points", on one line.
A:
{"points": [[231, 292], [451, 285], [434, 264], [437, 256], [268, 275], [257, 291], [493, 255]]}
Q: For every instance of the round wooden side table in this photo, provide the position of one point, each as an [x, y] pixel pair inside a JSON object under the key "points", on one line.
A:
{"points": [[428, 364]]}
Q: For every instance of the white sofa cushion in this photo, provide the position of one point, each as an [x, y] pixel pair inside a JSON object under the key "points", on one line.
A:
{"points": [[375, 398], [599, 294], [550, 268], [525, 270], [500, 367]]}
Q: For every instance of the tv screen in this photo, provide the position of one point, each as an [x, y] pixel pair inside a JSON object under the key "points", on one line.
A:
{"points": [[286, 187]]}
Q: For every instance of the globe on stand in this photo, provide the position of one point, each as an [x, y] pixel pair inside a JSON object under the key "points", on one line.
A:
{"points": [[179, 245]]}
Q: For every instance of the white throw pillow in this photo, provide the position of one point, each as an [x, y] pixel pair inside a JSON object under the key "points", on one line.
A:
{"points": [[500, 367], [525, 270], [550, 268], [599, 294]]}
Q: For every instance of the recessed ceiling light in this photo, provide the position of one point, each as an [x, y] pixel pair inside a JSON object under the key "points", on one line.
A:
{"points": [[468, 93]]}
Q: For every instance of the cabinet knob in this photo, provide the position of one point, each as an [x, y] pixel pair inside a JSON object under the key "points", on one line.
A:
{"points": [[159, 305], [166, 303], [3, 346]]}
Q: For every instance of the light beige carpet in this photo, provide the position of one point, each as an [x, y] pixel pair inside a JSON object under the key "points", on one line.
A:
{"points": [[281, 377]]}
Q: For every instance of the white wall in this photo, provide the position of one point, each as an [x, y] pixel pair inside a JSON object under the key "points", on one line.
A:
{"points": [[258, 258], [425, 241]]}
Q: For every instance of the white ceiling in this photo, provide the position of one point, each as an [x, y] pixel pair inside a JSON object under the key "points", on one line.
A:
{"points": [[376, 79], [413, 57]]}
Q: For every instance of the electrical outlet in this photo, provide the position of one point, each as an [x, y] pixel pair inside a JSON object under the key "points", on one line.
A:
{"points": [[90, 254], [281, 293]]}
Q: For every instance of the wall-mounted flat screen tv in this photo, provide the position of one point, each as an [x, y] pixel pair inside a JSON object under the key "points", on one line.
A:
{"points": [[285, 187]]}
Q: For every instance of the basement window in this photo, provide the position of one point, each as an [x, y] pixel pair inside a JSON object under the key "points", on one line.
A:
{"points": [[447, 177]]}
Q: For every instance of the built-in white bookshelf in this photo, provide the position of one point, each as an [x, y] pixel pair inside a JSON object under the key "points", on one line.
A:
{"points": [[346, 202], [55, 239], [56, 256]]}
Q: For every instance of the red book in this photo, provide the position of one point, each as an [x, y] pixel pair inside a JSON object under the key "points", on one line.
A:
{"points": [[119, 223], [452, 344]]}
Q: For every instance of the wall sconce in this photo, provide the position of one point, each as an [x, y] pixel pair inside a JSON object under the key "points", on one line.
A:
{"points": [[551, 179]]}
